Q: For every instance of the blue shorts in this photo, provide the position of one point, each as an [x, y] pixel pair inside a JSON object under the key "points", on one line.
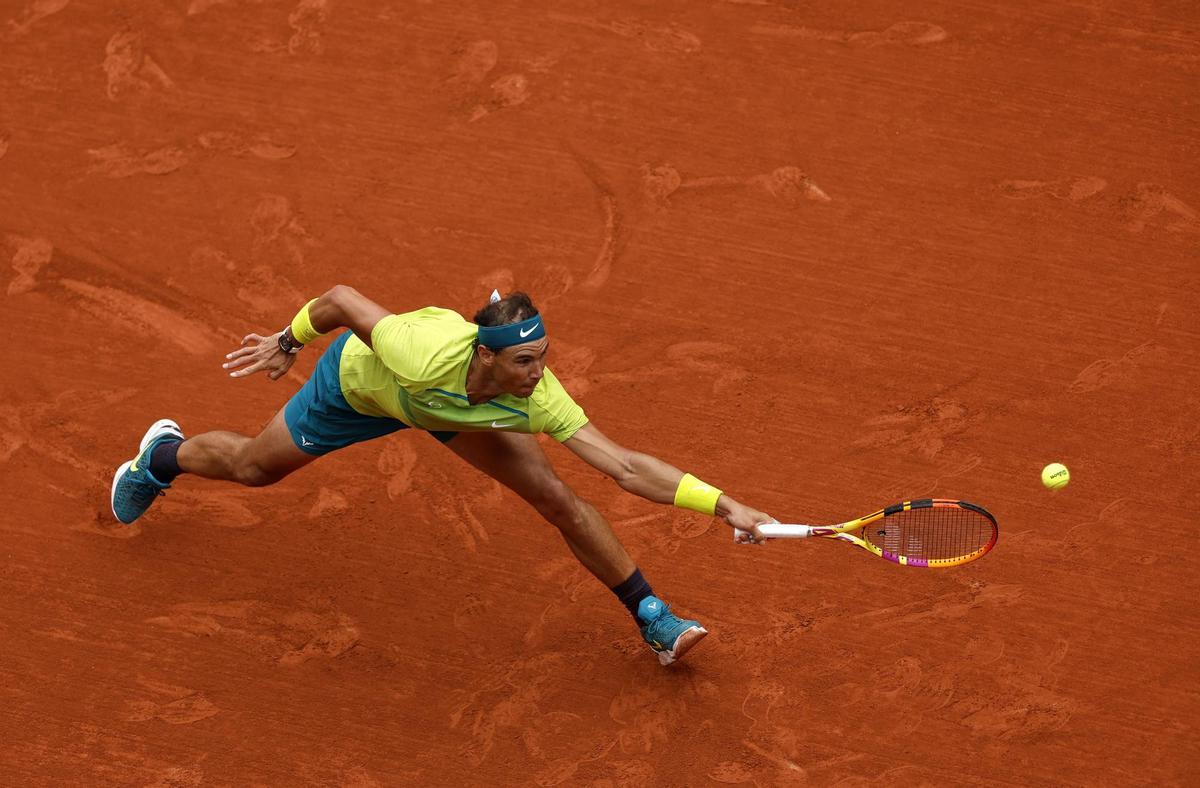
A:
{"points": [[321, 420]]}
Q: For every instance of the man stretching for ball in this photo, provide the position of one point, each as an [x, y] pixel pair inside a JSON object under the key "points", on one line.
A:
{"points": [[483, 389]]}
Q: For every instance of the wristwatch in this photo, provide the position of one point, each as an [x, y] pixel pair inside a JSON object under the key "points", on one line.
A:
{"points": [[287, 344]]}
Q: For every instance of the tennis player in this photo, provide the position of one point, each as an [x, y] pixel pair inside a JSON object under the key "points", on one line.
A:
{"points": [[483, 389]]}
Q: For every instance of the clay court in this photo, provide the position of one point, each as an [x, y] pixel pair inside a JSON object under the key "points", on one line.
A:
{"points": [[829, 258]]}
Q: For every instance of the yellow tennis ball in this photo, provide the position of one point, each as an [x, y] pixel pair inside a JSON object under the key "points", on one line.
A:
{"points": [[1055, 476]]}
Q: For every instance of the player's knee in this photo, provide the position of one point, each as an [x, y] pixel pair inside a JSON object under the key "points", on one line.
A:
{"points": [[557, 502]]}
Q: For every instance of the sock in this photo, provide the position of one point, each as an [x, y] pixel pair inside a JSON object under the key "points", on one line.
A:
{"points": [[632, 591], [163, 464]]}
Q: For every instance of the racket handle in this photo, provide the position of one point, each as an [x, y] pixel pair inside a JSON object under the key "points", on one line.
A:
{"points": [[779, 531]]}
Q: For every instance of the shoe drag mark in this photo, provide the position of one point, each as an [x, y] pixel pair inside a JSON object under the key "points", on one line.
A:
{"points": [[647, 711], [612, 241], [903, 33], [472, 64], [666, 39], [924, 485], [571, 364], [216, 507], [306, 21], [261, 147], [272, 634], [511, 707], [329, 643], [39, 426], [459, 512], [276, 223], [510, 90], [567, 575], [1076, 545], [329, 503], [172, 705], [117, 161], [120, 161], [1150, 203], [948, 607], [470, 68], [705, 357], [34, 13], [29, 256], [1073, 189], [790, 185], [1105, 372], [260, 287], [691, 357], [562, 768], [4, 140], [550, 282], [128, 69], [111, 305], [468, 617], [924, 427], [756, 707], [651, 535], [1010, 702], [181, 711], [396, 462]]}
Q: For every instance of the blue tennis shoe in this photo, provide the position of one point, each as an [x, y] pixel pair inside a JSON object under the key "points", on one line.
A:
{"points": [[134, 488], [669, 635]]}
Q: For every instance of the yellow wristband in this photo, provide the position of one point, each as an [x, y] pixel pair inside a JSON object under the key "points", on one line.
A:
{"points": [[302, 327], [696, 495]]}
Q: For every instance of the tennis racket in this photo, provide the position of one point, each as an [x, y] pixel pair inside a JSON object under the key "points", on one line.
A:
{"points": [[930, 532]]}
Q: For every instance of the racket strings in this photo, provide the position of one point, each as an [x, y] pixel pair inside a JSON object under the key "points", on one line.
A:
{"points": [[934, 533]]}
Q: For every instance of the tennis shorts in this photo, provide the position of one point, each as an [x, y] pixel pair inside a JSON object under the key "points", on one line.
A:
{"points": [[319, 418]]}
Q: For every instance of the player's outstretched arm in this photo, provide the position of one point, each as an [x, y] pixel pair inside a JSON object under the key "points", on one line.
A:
{"points": [[655, 480], [341, 307]]}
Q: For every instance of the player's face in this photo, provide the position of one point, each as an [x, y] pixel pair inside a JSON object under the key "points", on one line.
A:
{"points": [[519, 368]]}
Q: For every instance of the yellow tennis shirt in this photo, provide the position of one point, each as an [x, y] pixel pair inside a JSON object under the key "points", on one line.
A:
{"points": [[417, 373]]}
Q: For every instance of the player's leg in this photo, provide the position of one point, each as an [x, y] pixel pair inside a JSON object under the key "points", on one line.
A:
{"points": [[316, 421], [254, 462], [518, 462]]}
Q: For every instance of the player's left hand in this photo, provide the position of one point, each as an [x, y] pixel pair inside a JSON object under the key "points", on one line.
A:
{"points": [[259, 354]]}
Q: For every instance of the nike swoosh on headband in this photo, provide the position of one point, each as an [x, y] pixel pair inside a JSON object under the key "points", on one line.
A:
{"points": [[530, 330]]}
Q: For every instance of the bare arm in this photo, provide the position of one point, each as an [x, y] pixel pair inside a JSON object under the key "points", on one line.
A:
{"points": [[650, 477], [344, 306], [341, 306]]}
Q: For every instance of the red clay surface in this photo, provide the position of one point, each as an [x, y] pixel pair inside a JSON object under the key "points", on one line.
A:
{"points": [[826, 259]]}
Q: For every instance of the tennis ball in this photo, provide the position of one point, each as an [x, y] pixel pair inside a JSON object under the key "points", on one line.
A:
{"points": [[1055, 476]]}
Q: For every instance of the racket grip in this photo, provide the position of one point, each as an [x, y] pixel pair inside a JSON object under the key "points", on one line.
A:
{"points": [[779, 531]]}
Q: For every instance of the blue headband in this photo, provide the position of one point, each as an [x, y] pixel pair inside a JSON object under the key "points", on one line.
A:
{"points": [[497, 337]]}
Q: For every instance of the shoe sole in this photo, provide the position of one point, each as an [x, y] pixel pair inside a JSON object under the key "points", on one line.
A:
{"points": [[683, 644], [157, 428]]}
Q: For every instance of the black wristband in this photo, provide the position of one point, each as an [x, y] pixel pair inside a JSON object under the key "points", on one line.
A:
{"points": [[287, 344]]}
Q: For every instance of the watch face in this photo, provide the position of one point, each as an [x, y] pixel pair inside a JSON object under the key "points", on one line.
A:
{"points": [[287, 345]]}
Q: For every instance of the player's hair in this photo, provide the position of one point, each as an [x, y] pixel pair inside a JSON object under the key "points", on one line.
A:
{"points": [[513, 308]]}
